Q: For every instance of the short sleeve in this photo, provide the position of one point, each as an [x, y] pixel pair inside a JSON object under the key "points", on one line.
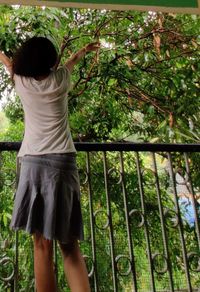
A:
{"points": [[68, 78], [16, 77], [63, 75]]}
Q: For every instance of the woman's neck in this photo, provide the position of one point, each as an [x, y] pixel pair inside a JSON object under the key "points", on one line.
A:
{"points": [[42, 77]]}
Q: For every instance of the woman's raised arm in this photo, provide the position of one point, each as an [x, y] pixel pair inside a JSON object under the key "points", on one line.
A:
{"points": [[80, 54], [6, 62]]}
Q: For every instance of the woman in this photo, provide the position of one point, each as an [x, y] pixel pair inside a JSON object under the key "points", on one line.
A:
{"points": [[47, 200]]}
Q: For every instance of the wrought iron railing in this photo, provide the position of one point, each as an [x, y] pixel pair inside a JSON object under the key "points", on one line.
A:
{"points": [[141, 207]]}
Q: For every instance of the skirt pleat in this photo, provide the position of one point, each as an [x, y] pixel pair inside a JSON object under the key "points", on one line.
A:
{"points": [[47, 199]]}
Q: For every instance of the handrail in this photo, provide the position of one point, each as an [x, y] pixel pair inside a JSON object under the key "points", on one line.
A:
{"points": [[118, 146]]}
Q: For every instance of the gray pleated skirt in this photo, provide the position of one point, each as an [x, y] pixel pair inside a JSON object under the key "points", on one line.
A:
{"points": [[47, 199]]}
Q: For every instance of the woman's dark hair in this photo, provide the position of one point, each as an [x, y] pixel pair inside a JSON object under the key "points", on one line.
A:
{"points": [[35, 57]]}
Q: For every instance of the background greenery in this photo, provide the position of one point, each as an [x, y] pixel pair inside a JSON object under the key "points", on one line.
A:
{"points": [[143, 85]]}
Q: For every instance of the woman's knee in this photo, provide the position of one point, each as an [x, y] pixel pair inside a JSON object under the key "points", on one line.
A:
{"points": [[69, 248], [42, 244]]}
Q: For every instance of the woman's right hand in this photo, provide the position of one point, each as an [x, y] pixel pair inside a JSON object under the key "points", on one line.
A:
{"points": [[92, 47]]}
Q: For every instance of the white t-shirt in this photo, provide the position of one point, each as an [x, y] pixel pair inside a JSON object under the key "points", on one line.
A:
{"points": [[45, 105]]}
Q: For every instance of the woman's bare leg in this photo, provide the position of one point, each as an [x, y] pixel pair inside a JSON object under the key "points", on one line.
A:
{"points": [[43, 264], [75, 268]]}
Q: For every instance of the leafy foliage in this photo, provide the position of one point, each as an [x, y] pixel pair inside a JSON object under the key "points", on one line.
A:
{"points": [[140, 83]]}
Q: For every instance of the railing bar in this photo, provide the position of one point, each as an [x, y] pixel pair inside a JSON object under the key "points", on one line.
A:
{"points": [[17, 234], [162, 221], [55, 261], [130, 243], [194, 203], [118, 146], [146, 229], [115, 288], [16, 262], [180, 225], [88, 169]]}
